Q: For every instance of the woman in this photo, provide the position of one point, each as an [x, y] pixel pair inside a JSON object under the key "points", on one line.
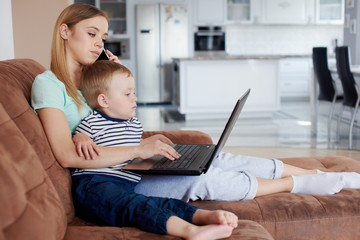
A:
{"points": [[239, 177], [102, 197], [71, 50]]}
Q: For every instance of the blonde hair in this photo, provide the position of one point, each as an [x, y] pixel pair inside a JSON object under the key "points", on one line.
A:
{"points": [[69, 16], [96, 79]]}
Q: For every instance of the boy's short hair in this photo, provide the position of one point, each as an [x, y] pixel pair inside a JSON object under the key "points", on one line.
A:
{"points": [[96, 79]]}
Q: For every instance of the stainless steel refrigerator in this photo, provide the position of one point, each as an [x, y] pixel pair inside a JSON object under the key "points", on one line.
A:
{"points": [[162, 33]]}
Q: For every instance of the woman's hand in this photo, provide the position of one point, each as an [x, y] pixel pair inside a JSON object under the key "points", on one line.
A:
{"points": [[112, 57], [157, 147], [85, 147], [155, 137]]}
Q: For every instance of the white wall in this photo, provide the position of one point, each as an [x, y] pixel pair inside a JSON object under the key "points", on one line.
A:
{"points": [[280, 39], [6, 39], [33, 23]]}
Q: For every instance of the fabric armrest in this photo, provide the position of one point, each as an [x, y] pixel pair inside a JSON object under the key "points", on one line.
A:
{"points": [[183, 137]]}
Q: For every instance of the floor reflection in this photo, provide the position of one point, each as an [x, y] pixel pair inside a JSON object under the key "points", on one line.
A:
{"points": [[289, 127]]}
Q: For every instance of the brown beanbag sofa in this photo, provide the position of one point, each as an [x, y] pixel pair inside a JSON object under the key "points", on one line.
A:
{"points": [[35, 191]]}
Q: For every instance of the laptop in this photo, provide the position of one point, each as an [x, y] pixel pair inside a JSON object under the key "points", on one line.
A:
{"points": [[195, 159]]}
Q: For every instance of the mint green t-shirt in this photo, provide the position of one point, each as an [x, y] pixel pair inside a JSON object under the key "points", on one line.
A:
{"points": [[49, 92]]}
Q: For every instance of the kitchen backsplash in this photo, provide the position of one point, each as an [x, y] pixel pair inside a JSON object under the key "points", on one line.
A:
{"points": [[280, 39]]}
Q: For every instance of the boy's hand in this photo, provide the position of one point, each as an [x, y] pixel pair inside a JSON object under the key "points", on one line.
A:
{"points": [[157, 147], [85, 147], [155, 137]]}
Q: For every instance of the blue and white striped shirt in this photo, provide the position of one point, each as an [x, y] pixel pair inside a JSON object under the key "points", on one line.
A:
{"points": [[110, 132]]}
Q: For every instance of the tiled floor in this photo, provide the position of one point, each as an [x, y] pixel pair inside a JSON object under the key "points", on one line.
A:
{"points": [[287, 128]]}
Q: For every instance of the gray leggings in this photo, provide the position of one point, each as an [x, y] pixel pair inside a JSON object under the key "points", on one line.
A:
{"points": [[230, 178]]}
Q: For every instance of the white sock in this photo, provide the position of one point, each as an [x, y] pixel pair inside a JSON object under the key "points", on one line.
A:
{"points": [[319, 184], [319, 172], [351, 179]]}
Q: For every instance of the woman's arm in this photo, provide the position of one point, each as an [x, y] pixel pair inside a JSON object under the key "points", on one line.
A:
{"points": [[59, 135], [85, 147]]}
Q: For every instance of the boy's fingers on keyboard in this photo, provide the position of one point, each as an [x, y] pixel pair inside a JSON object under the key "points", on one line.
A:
{"points": [[169, 156], [170, 150], [174, 155]]}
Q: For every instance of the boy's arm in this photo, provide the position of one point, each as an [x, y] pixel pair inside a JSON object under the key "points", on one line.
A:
{"points": [[85, 146], [84, 143]]}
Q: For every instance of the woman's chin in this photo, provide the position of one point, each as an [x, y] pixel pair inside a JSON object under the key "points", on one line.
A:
{"points": [[89, 61]]}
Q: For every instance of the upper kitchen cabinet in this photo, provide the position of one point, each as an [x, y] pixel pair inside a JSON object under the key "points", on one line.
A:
{"points": [[287, 11], [330, 11], [115, 10], [239, 11], [209, 12]]}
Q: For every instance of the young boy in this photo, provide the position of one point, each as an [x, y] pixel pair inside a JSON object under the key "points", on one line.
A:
{"points": [[106, 195]]}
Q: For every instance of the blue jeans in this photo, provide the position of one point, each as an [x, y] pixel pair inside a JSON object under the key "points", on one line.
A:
{"points": [[111, 201]]}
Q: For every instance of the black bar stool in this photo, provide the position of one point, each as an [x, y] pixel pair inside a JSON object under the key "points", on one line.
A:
{"points": [[351, 89], [327, 86]]}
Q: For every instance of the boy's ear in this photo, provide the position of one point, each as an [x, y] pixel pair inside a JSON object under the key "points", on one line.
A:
{"points": [[102, 100]]}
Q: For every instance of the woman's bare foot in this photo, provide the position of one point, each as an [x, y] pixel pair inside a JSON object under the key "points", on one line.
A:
{"points": [[210, 232], [205, 217]]}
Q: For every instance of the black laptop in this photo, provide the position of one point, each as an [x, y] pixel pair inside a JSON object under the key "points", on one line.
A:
{"points": [[195, 159]]}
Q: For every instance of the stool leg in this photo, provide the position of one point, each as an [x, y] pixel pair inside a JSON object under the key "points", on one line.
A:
{"points": [[338, 124], [351, 126], [330, 118]]}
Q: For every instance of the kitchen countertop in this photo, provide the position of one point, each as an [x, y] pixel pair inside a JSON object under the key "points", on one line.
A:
{"points": [[240, 57], [355, 69]]}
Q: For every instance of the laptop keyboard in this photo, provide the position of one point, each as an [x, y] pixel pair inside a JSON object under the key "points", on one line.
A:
{"points": [[188, 154]]}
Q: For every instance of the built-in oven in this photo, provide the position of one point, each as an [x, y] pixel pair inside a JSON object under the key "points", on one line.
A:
{"points": [[209, 41], [119, 47]]}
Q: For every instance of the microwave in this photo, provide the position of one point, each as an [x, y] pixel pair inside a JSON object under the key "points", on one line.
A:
{"points": [[209, 41], [210, 38], [119, 47]]}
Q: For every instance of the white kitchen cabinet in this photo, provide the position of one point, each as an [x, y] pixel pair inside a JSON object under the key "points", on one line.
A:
{"points": [[239, 11], [116, 11], [330, 11], [244, 11], [209, 12], [294, 77], [210, 88], [287, 11]]}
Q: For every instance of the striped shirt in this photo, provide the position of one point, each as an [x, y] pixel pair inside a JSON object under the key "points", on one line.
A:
{"points": [[110, 132]]}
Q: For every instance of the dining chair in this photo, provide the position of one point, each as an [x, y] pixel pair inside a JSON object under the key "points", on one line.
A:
{"points": [[327, 86], [351, 89]]}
